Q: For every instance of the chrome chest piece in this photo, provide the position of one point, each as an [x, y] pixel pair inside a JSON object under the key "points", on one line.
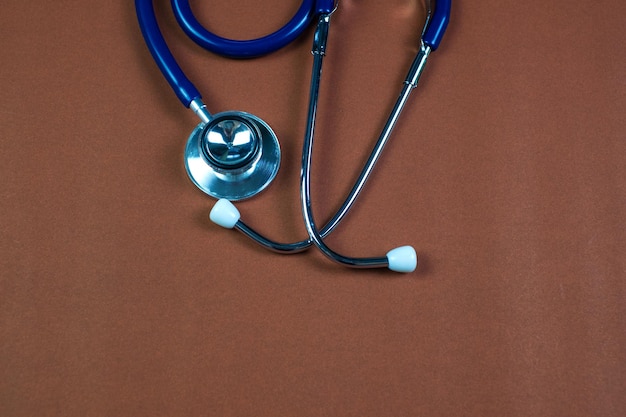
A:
{"points": [[234, 155]]}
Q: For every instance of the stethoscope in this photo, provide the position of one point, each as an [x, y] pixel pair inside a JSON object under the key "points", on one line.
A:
{"points": [[234, 155]]}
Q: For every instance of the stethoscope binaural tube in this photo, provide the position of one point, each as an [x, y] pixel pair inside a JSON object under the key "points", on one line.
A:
{"points": [[402, 259]]}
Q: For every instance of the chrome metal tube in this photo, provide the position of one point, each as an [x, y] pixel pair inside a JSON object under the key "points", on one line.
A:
{"points": [[284, 248], [199, 108], [307, 156], [411, 81]]}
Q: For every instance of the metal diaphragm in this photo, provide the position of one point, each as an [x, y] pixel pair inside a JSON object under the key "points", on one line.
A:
{"points": [[234, 156]]}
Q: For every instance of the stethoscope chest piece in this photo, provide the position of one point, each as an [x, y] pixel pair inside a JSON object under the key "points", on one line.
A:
{"points": [[233, 156]]}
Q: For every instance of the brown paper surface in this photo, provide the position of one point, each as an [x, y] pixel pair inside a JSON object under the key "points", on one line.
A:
{"points": [[506, 172]]}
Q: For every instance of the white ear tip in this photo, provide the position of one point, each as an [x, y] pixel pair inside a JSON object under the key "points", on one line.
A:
{"points": [[224, 213], [402, 259]]}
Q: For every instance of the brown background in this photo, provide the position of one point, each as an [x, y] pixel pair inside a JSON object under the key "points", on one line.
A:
{"points": [[507, 173]]}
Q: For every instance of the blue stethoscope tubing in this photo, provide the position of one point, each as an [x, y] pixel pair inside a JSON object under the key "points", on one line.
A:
{"points": [[402, 259], [187, 92]]}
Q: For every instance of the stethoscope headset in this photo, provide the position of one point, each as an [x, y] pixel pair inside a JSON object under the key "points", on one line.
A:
{"points": [[234, 155]]}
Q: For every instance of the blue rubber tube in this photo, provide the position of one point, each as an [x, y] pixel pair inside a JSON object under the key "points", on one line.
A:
{"points": [[184, 89], [248, 48], [438, 24], [187, 92]]}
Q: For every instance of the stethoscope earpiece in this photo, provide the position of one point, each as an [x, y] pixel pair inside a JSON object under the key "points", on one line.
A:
{"points": [[402, 259], [225, 214], [235, 155]]}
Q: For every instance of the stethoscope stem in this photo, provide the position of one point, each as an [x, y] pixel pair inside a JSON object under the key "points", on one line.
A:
{"points": [[200, 109]]}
